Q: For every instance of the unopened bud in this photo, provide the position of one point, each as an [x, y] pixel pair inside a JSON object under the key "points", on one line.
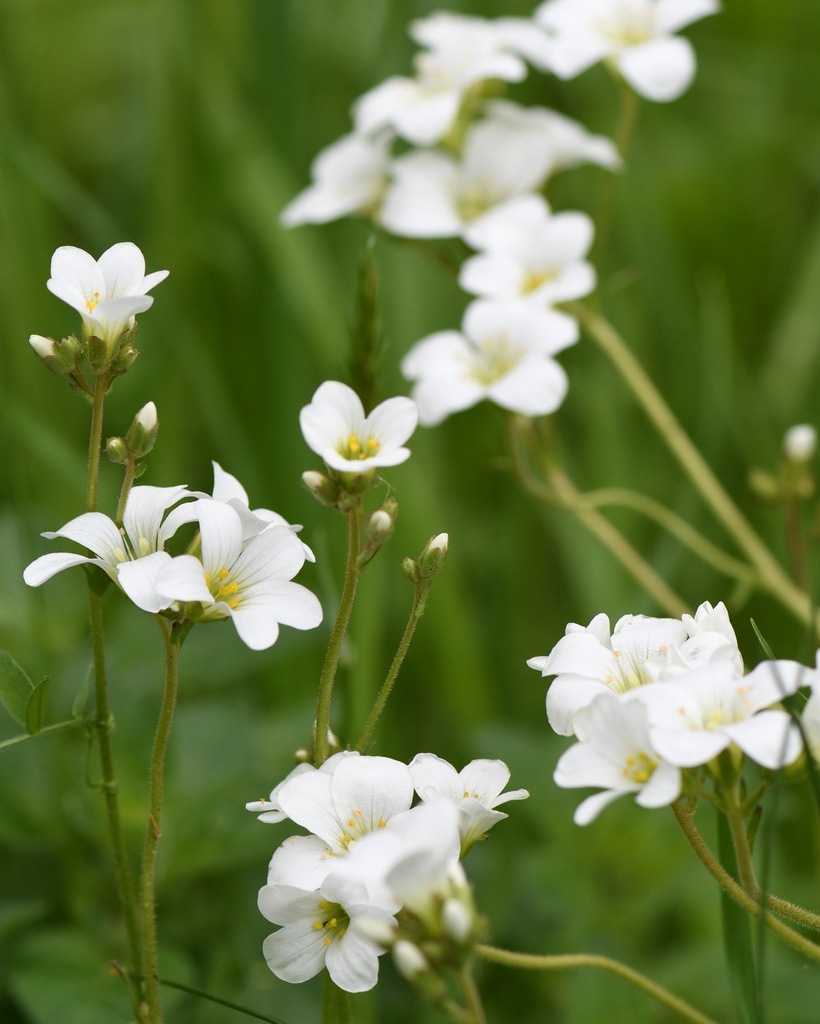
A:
{"points": [[377, 930], [379, 527], [765, 485], [457, 920], [117, 450], [323, 489], [59, 357], [124, 359], [800, 443], [410, 961], [410, 568], [433, 554], [142, 434]]}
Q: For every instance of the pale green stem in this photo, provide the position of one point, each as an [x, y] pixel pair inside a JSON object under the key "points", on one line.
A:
{"points": [[56, 727], [736, 892], [674, 525], [321, 745], [103, 718], [154, 825], [627, 119], [125, 490], [562, 491], [472, 998], [565, 961], [416, 613], [772, 576]]}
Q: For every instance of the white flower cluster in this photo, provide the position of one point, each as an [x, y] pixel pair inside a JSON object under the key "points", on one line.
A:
{"points": [[373, 866], [659, 696], [476, 170], [243, 571]]}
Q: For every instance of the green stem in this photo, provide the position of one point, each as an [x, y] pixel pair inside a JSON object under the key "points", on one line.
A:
{"points": [[125, 490], [472, 998], [92, 479], [104, 726], [560, 490], [416, 613], [153, 830], [566, 961], [735, 891], [772, 576], [56, 727], [321, 746], [743, 853], [674, 525], [627, 119], [221, 1002]]}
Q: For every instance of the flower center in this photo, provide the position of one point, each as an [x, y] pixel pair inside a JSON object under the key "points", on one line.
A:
{"points": [[332, 920], [535, 278], [473, 200], [628, 675], [356, 826], [492, 359], [222, 588], [358, 449], [92, 303], [631, 25], [639, 768]]}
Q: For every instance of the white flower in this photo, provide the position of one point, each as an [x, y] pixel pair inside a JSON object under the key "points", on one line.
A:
{"points": [[349, 176], [108, 292], [587, 660], [617, 755], [636, 35], [529, 253], [246, 582], [800, 443], [335, 427], [696, 716], [132, 556], [476, 790], [230, 491], [503, 353], [318, 931], [463, 51]]}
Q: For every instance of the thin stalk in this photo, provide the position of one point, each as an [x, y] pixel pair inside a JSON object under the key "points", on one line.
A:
{"points": [[674, 525], [735, 891], [472, 998], [627, 120], [772, 577], [565, 961], [560, 490], [416, 613], [92, 478], [125, 490], [321, 747], [153, 830], [56, 727]]}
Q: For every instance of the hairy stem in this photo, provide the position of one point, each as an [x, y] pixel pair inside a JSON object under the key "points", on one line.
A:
{"points": [[321, 745], [565, 961]]}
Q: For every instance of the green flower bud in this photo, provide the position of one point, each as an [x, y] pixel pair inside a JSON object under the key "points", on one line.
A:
{"points": [[117, 450], [142, 434], [433, 555], [58, 356], [323, 489]]}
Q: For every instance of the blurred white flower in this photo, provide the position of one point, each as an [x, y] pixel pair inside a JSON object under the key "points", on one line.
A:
{"points": [[636, 35], [108, 292], [476, 790], [617, 755], [503, 353], [800, 443], [335, 427], [132, 556], [349, 176], [250, 583], [528, 253]]}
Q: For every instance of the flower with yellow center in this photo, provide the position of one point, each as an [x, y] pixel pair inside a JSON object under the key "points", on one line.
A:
{"points": [[335, 427]]}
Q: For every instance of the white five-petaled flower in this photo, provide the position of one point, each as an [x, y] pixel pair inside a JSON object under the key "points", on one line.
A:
{"points": [[528, 253], [503, 353], [108, 292], [587, 660], [249, 583], [636, 35], [335, 427], [617, 755], [476, 790], [349, 176], [132, 556]]}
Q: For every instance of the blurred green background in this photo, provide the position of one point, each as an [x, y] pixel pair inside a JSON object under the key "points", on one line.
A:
{"points": [[185, 127]]}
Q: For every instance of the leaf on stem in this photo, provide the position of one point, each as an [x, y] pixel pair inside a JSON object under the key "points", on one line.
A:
{"points": [[15, 688], [36, 707]]}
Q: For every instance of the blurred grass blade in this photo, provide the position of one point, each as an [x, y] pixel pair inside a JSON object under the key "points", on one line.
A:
{"points": [[762, 641], [15, 688], [366, 329], [737, 939]]}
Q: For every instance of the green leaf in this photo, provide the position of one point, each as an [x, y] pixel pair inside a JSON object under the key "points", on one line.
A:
{"points": [[15, 688], [737, 938], [36, 707]]}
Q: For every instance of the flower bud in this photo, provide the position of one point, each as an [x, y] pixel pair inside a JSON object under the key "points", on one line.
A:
{"points": [[124, 359], [410, 568], [377, 930], [117, 450], [323, 489], [800, 443], [410, 961], [433, 554], [58, 356], [379, 527], [142, 434], [457, 920], [765, 485]]}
